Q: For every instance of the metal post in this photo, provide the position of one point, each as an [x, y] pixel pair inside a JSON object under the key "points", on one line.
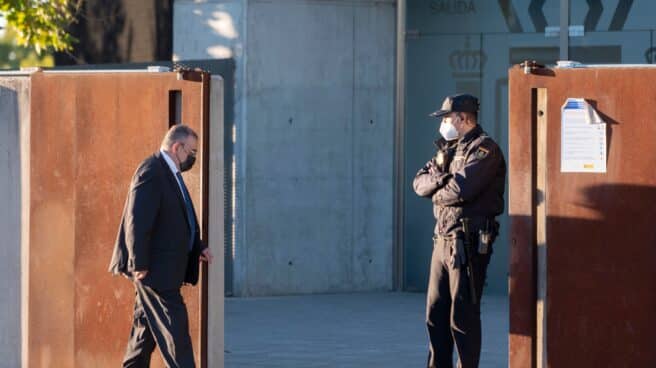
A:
{"points": [[564, 29], [541, 228], [399, 128]]}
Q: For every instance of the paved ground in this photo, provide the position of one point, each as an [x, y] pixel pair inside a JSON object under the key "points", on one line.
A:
{"points": [[345, 330]]}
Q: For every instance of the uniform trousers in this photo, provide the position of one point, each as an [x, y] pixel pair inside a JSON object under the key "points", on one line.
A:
{"points": [[451, 317], [160, 319]]}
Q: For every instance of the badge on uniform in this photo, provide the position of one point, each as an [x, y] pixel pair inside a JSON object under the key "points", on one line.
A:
{"points": [[481, 153], [439, 158]]}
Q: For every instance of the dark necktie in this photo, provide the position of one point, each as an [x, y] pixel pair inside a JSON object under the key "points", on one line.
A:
{"points": [[189, 208]]}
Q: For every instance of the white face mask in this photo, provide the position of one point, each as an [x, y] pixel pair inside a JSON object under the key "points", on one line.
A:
{"points": [[448, 131]]}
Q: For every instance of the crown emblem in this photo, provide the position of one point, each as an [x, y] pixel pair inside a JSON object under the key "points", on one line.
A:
{"points": [[467, 63]]}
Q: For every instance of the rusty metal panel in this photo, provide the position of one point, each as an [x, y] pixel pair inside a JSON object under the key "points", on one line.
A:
{"points": [[89, 131], [600, 256], [521, 287]]}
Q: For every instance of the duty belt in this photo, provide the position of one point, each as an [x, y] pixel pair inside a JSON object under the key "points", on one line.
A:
{"points": [[447, 239]]}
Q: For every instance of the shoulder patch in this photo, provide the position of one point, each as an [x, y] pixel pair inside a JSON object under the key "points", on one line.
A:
{"points": [[481, 153]]}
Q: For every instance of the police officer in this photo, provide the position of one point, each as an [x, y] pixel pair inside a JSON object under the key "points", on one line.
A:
{"points": [[466, 182]]}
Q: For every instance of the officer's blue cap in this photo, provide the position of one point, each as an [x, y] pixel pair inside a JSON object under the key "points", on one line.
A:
{"points": [[457, 103]]}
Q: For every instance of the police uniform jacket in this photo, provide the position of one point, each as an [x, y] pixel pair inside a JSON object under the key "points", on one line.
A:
{"points": [[472, 186]]}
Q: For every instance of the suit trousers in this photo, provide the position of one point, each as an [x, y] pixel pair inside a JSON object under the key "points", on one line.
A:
{"points": [[160, 319], [451, 317]]}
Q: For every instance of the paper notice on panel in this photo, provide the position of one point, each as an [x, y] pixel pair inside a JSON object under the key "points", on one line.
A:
{"points": [[583, 144]]}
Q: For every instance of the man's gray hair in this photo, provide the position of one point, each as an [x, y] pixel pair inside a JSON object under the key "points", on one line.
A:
{"points": [[177, 133]]}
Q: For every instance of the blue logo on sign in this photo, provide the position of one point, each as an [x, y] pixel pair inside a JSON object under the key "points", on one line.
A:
{"points": [[574, 105]]}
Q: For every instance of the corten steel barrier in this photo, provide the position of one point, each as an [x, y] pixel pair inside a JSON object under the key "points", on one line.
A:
{"points": [[583, 254], [88, 132]]}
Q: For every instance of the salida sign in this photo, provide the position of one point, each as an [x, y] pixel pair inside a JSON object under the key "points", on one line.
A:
{"points": [[452, 6]]}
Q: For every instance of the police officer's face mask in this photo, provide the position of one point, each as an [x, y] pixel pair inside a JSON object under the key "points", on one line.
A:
{"points": [[448, 130]]}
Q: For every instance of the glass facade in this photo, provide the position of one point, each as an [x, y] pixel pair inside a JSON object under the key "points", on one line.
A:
{"points": [[467, 46]]}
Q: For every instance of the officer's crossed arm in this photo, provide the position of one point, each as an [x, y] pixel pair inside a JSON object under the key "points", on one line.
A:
{"points": [[429, 179], [478, 172]]}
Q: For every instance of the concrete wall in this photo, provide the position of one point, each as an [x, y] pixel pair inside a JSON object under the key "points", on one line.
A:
{"points": [[14, 115], [313, 140]]}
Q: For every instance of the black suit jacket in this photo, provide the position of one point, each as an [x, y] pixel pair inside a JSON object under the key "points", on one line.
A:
{"points": [[154, 232]]}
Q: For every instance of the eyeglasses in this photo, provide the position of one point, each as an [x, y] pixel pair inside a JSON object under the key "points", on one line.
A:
{"points": [[189, 152]]}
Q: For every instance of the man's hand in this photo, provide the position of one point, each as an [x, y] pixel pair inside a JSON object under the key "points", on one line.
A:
{"points": [[206, 255], [138, 275], [432, 168], [442, 179]]}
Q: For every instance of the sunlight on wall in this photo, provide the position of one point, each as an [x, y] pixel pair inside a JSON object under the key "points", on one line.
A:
{"points": [[223, 25]]}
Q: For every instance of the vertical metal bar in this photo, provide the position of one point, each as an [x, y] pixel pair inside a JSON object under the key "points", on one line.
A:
{"points": [[205, 173], [541, 231], [25, 193], [564, 29], [399, 130], [651, 45], [217, 227]]}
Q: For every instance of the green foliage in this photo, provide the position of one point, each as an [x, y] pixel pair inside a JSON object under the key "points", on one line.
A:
{"points": [[41, 24], [13, 56]]}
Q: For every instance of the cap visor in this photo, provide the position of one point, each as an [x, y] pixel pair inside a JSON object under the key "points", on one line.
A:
{"points": [[439, 113]]}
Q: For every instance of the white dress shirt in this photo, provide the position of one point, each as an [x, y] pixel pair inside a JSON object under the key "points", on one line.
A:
{"points": [[174, 169]]}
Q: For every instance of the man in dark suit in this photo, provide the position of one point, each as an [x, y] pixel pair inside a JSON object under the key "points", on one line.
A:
{"points": [[159, 248]]}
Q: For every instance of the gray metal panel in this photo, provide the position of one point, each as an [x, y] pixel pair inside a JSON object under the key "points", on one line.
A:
{"points": [[14, 116]]}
